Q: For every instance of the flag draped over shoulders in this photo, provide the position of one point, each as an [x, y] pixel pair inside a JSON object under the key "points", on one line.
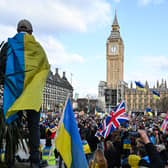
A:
{"points": [[68, 141], [26, 72]]}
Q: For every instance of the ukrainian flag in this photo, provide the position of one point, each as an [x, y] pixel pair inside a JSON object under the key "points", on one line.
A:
{"points": [[126, 144], [26, 72], [149, 111], [68, 141], [140, 86], [156, 94]]}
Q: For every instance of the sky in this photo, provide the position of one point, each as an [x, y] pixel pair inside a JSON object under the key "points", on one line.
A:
{"points": [[74, 34]]}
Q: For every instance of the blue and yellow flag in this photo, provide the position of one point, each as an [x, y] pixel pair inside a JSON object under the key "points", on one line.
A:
{"points": [[26, 72], [68, 141], [140, 86], [156, 94], [126, 144], [86, 147], [149, 111]]}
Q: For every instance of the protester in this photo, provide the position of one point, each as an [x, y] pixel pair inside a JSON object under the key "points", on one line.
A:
{"points": [[113, 159], [124, 147], [133, 158], [99, 160], [154, 157], [24, 58], [92, 140], [144, 161]]}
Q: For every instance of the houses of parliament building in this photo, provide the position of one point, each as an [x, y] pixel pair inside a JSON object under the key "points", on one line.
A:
{"points": [[115, 89]]}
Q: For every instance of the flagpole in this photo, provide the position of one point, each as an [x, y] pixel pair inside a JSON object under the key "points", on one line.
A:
{"points": [[57, 131]]}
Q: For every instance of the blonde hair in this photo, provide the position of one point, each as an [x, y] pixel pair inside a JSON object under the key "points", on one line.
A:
{"points": [[99, 160]]}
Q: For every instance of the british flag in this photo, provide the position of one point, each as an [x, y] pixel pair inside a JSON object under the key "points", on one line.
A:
{"points": [[117, 117], [164, 125]]}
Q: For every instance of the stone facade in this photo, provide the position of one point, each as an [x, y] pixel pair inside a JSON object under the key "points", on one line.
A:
{"points": [[138, 101], [114, 56], [56, 91]]}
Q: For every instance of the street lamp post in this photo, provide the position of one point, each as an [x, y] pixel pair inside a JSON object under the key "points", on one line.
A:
{"points": [[88, 110], [120, 90]]}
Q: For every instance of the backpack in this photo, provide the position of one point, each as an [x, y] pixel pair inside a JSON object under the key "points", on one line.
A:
{"points": [[3, 57]]}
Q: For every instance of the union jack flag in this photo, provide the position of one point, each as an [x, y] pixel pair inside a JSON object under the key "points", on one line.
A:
{"points": [[164, 125], [117, 117]]}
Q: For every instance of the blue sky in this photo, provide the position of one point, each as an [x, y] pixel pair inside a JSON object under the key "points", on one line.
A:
{"points": [[74, 33]]}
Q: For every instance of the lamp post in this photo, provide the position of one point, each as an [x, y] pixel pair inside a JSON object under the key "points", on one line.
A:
{"points": [[88, 111], [120, 90]]}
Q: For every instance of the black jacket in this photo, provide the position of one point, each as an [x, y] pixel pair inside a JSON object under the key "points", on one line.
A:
{"points": [[113, 158], [154, 156], [92, 140]]}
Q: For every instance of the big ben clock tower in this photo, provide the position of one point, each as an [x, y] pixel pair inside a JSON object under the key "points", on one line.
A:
{"points": [[114, 56]]}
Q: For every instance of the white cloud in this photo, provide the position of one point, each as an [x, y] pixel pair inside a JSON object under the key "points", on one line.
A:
{"points": [[158, 62], [57, 54], [55, 50], [52, 18], [150, 68], [147, 2], [87, 91], [6, 31], [54, 15]]}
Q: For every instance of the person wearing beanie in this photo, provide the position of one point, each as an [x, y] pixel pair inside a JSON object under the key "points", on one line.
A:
{"points": [[25, 58], [24, 26], [133, 160]]}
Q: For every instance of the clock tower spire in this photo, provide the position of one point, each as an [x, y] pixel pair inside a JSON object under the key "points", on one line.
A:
{"points": [[115, 25], [115, 32], [114, 56]]}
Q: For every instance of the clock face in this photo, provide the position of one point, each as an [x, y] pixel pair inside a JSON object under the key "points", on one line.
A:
{"points": [[113, 49]]}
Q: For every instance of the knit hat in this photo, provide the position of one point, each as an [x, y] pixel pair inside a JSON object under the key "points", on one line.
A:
{"points": [[133, 160], [24, 25]]}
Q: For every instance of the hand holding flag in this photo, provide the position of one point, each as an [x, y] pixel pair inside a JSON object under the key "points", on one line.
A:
{"points": [[68, 141]]}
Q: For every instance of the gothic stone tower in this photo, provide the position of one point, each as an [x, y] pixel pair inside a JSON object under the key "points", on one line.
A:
{"points": [[114, 56]]}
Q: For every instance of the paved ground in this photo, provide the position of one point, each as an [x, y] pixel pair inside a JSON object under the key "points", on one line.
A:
{"points": [[26, 165], [23, 155]]}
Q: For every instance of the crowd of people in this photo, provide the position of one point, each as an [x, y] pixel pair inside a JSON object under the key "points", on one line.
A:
{"points": [[138, 143]]}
